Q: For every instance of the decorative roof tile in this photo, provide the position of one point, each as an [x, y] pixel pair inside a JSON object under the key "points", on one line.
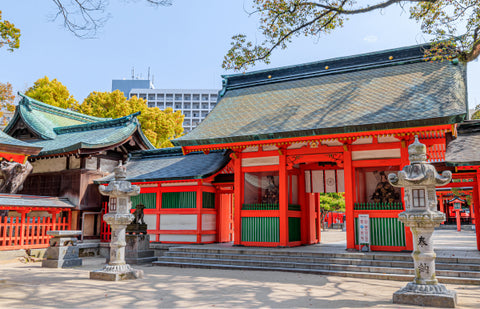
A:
{"points": [[358, 93], [170, 164]]}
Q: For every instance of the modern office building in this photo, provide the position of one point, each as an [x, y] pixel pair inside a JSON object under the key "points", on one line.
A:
{"points": [[125, 85], [195, 104]]}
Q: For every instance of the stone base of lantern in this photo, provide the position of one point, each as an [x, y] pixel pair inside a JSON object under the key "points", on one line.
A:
{"points": [[116, 273], [435, 295]]}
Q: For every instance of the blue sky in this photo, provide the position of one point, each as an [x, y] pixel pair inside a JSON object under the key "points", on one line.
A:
{"points": [[183, 44]]}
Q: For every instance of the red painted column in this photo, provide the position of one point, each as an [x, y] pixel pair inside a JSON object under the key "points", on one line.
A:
{"points": [[348, 171], [442, 206], [237, 209], [283, 198], [305, 220], [476, 203], [457, 216], [199, 211], [404, 162]]}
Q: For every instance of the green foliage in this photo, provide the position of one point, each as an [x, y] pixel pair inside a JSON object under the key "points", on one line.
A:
{"points": [[454, 26], [9, 35], [476, 114], [332, 202], [159, 126], [6, 98], [52, 92]]}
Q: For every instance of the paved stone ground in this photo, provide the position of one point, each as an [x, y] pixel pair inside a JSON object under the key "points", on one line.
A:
{"points": [[31, 286]]}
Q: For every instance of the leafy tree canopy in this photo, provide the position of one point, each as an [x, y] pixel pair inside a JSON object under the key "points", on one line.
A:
{"points": [[454, 26], [476, 114], [52, 92], [332, 201], [159, 126], [9, 35], [6, 98]]}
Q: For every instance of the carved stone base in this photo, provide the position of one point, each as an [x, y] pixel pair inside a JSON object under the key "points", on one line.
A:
{"points": [[435, 295], [116, 273]]}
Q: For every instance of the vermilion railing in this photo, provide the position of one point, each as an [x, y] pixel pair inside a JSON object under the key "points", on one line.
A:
{"points": [[31, 232], [105, 231]]}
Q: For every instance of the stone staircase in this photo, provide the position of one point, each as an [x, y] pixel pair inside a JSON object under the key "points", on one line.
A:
{"points": [[371, 265]]}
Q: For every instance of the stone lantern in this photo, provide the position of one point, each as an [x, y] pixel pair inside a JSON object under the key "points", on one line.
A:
{"points": [[118, 217], [419, 180]]}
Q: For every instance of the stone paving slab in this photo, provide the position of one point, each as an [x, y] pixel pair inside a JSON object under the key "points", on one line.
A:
{"points": [[31, 286]]}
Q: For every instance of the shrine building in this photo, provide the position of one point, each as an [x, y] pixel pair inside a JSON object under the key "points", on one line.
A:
{"points": [[338, 125]]}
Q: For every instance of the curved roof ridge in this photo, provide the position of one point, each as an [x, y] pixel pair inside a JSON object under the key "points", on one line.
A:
{"points": [[98, 125], [29, 102]]}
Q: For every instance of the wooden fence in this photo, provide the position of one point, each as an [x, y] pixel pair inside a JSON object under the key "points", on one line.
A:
{"points": [[28, 232]]}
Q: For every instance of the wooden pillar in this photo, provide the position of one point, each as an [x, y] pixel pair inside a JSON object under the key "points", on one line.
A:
{"points": [[404, 161], [305, 220], [476, 203], [442, 206], [283, 198], [349, 191], [238, 196], [199, 211], [316, 199]]}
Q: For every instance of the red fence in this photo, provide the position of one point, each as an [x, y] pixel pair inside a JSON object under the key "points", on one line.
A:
{"points": [[31, 232], [105, 231], [331, 218]]}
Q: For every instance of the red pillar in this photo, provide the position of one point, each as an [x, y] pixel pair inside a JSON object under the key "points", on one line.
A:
{"points": [[442, 206], [283, 199], [305, 220], [404, 162], [476, 204], [238, 196], [198, 211], [348, 171]]}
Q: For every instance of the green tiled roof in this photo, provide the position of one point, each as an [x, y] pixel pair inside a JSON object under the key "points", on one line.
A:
{"points": [[64, 131], [383, 90], [170, 164], [42, 118], [6, 139]]}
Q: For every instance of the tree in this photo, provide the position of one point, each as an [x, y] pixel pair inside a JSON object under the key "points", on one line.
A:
{"points": [[9, 35], [331, 202], [476, 114], [85, 17], [6, 98], [52, 92], [453, 24], [159, 126]]}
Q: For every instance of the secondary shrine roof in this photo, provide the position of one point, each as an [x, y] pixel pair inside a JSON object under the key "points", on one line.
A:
{"points": [[170, 164], [13, 145], [18, 200], [464, 149], [376, 91], [59, 130]]}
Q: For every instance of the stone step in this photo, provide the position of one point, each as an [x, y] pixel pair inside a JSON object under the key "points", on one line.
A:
{"points": [[318, 260], [141, 260], [330, 266], [383, 276]]}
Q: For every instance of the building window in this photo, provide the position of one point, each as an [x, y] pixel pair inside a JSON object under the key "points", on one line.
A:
{"points": [[196, 105], [418, 197], [204, 105], [169, 96], [169, 104], [151, 104], [178, 106], [187, 105], [196, 97], [204, 114], [143, 96], [187, 97], [151, 96], [204, 97], [213, 97], [160, 96], [133, 95], [178, 97], [212, 105], [195, 114]]}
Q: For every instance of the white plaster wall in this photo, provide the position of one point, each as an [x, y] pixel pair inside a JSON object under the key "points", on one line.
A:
{"points": [[49, 165], [108, 165], [340, 180], [151, 221], [317, 181], [387, 139], [363, 140], [208, 238], [330, 181], [91, 163], [185, 238], [74, 163], [376, 154], [260, 161], [178, 222], [209, 222]]}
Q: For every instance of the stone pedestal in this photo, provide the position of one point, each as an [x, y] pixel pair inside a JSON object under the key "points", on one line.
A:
{"points": [[63, 250], [118, 217], [419, 180], [138, 249]]}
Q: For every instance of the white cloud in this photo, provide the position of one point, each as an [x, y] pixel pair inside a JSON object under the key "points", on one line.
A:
{"points": [[371, 38]]}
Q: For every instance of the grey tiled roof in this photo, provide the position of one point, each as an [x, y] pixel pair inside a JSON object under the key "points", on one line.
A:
{"points": [[171, 164], [465, 149], [34, 201], [310, 100]]}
